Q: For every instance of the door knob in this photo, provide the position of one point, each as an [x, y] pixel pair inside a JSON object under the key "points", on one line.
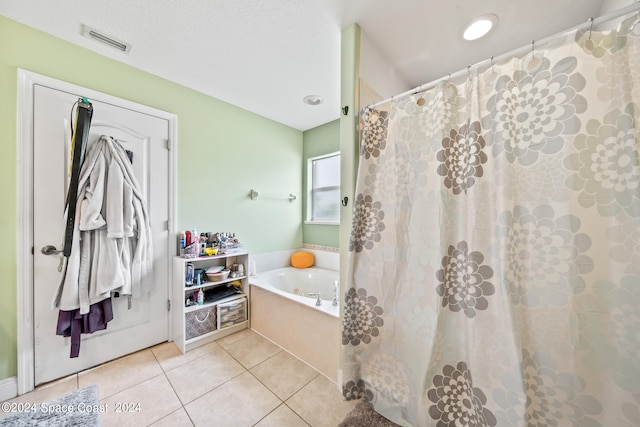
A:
{"points": [[50, 250]]}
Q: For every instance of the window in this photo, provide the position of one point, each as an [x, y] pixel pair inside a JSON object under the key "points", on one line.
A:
{"points": [[323, 194]]}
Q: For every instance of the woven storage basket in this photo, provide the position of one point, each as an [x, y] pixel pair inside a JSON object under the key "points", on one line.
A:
{"points": [[200, 322]]}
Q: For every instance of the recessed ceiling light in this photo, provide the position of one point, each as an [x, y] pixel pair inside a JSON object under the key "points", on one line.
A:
{"points": [[312, 99], [479, 27]]}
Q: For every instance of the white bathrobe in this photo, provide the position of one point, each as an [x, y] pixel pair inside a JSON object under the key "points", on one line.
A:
{"points": [[112, 248]]}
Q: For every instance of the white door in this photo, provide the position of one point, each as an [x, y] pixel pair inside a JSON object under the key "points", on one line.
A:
{"points": [[145, 322]]}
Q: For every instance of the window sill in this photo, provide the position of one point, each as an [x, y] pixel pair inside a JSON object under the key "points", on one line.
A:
{"points": [[322, 223]]}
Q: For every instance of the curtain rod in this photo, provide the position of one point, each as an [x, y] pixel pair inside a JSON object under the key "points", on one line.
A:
{"points": [[588, 24]]}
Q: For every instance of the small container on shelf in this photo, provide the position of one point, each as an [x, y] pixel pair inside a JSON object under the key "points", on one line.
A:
{"points": [[217, 276], [231, 313], [211, 251], [232, 247]]}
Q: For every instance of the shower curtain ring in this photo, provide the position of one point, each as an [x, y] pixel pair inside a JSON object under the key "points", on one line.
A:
{"points": [[590, 27]]}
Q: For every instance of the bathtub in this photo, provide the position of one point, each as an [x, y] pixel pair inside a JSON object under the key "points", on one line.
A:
{"points": [[282, 312], [297, 283]]}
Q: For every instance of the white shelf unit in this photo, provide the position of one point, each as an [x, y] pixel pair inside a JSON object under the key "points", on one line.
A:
{"points": [[231, 312]]}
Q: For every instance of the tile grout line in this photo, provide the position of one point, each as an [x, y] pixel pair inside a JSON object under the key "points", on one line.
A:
{"points": [[184, 404], [289, 398], [174, 392], [131, 386], [190, 361], [282, 402], [245, 370], [270, 412], [294, 355], [183, 355], [299, 415], [116, 360]]}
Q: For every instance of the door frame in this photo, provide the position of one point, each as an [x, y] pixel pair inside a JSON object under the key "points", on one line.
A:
{"points": [[24, 224]]}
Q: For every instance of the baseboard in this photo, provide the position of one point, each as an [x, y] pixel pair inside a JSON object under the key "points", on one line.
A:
{"points": [[8, 388]]}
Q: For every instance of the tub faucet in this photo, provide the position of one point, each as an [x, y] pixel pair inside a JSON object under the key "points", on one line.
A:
{"points": [[316, 294], [335, 293]]}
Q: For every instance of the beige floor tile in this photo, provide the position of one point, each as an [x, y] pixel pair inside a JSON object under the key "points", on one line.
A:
{"points": [[233, 338], [178, 418], [320, 403], [252, 350], [284, 374], [283, 416], [240, 402], [194, 379], [121, 374], [170, 357], [66, 381], [46, 392], [141, 404]]}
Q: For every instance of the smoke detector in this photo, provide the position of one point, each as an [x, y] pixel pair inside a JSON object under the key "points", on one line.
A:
{"points": [[312, 100]]}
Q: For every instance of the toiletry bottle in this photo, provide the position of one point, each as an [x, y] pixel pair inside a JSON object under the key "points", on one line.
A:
{"points": [[183, 243], [196, 242], [187, 244], [200, 296]]}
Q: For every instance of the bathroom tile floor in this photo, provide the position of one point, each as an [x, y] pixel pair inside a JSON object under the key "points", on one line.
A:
{"points": [[239, 380]]}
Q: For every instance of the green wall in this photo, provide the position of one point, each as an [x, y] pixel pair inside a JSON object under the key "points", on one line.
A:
{"points": [[318, 141], [223, 152]]}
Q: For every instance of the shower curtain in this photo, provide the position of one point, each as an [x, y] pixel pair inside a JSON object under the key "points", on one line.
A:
{"points": [[494, 260]]}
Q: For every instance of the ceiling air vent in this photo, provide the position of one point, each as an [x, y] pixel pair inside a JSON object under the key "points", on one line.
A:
{"points": [[96, 35]]}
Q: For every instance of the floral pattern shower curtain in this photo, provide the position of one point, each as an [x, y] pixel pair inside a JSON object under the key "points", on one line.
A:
{"points": [[494, 273]]}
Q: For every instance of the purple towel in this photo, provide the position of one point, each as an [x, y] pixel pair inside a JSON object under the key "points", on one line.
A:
{"points": [[72, 323]]}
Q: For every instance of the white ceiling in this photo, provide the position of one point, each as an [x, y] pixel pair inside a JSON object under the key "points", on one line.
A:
{"points": [[265, 56]]}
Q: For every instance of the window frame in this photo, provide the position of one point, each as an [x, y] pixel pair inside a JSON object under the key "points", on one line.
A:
{"points": [[310, 190]]}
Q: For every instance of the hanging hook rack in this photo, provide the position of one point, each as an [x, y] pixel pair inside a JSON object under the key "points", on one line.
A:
{"points": [[253, 194]]}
